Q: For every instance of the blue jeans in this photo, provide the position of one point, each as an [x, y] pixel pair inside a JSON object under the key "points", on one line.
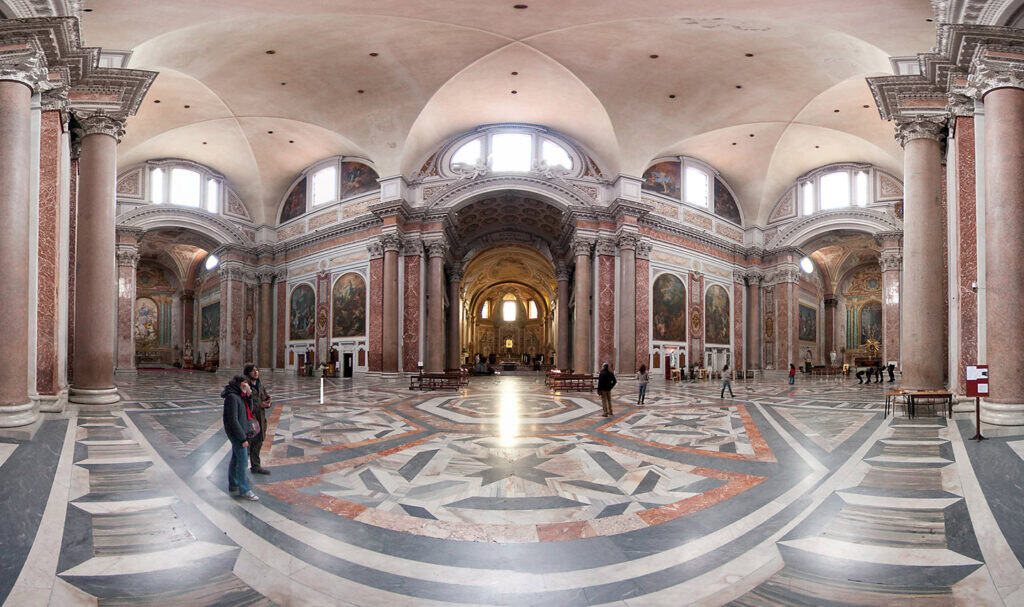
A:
{"points": [[792, 379], [238, 468], [643, 390], [727, 383]]}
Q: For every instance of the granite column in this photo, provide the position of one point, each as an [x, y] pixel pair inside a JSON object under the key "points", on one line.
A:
{"points": [[93, 382], [627, 304], [127, 254], [754, 320], [435, 307], [562, 317], [389, 308], [266, 319], [454, 316], [581, 322]]}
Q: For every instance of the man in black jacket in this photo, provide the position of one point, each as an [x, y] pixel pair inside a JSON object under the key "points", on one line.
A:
{"points": [[605, 382], [238, 427], [260, 405]]}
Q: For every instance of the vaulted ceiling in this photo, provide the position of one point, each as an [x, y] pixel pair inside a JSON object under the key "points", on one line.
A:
{"points": [[583, 67]]}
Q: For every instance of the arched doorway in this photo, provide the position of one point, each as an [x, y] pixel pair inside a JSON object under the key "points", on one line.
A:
{"points": [[510, 299]]}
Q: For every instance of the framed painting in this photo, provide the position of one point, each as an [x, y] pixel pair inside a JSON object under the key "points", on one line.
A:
{"points": [[716, 315], [664, 178], [870, 322], [209, 318], [147, 322], [295, 204], [302, 313], [348, 306], [668, 309], [356, 179], [808, 323]]}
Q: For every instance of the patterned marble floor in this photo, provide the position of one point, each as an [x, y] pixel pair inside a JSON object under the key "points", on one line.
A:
{"points": [[508, 494]]}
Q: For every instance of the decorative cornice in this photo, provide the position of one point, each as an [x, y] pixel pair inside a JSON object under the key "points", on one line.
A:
{"points": [[144, 216], [24, 62], [921, 127], [864, 219], [132, 231], [996, 67], [895, 235], [99, 124], [643, 249], [461, 189]]}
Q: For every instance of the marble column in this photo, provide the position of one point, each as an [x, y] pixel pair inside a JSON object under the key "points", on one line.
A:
{"points": [[127, 255], [389, 309], [188, 324], [16, 83], [627, 304], [562, 341], [891, 263], [435, 307], [830, 327], [581, 322], [1003, 93], [923, 308], [641, 290], [94, 326], [754, 320], [454, 307], [53, 165], [266, 319]]}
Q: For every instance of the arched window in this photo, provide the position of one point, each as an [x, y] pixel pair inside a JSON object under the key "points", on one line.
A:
{"points": [[211, 262], [509, 308], [533, 309], [838, 187], [485, 310], [691, 181], [325, 185], [505, 149], [187, 184]]}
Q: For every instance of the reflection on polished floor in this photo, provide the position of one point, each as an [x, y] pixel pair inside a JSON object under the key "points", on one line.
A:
{"points": [[508, 494]]}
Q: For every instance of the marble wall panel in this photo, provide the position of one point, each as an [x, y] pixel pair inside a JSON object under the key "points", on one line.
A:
{"points": [[782, 337], [967, 258], [643, 280], [322, 326], [49, 248], [606, 309], [737, 327], [411, 314], [72, 239], [695, 318], [282, 322], [376, 328], [125, 317]]}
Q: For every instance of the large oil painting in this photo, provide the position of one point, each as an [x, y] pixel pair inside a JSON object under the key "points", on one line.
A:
{"points": [[663, 178], [357, 178], [295, 204], [668, 306], [147, 323], [808, 323], [871, 322], [302, 319], [210, 321], [348, 306], [716, 315], [725, 205]]}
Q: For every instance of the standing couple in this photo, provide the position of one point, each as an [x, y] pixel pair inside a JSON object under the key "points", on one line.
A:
{"points": [[245, 423]]}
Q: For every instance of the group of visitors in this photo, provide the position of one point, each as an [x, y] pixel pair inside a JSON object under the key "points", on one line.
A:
{"points": [[245, 422], [877, 372]]}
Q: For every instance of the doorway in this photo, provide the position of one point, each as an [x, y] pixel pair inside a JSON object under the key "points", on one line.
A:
{"points": [[346, 365]]}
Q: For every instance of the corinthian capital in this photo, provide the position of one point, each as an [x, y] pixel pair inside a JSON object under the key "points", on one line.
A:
{"points": [[436, 248], [375, 248], [996, 67], [921, 127], [582, 247], [391, 242], [605, 247], [627, 241], [643, 249], [891, 260], [23, 63], [100, 124], [127, 257], [561, 272]]}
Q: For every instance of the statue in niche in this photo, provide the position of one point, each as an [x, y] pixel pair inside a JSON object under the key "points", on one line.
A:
{"points": [[188, 348], [187, 362], [508, 346]]}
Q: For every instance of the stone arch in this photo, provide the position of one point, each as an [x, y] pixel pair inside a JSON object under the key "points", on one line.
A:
{"points": [[556, 192], [154, 217], [807, 228]]}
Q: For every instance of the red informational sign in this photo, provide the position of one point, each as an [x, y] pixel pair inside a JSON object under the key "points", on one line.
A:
{"points": [[977, 380]]}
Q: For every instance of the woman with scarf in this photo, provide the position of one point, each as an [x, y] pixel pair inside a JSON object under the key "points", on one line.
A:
{"points": [[239, 426]]}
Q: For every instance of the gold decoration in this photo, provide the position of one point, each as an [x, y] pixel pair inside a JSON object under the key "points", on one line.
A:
{"points": [[695, 320], [769, 327]]}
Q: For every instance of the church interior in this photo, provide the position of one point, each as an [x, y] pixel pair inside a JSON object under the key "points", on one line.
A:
{"points": [[436, 228]]}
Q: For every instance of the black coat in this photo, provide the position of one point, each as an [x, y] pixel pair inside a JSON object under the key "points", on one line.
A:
{"points": [[606, 381], [236, 422]]}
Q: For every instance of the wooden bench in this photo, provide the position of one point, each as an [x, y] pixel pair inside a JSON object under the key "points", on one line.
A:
{"points": [[554, 374], [566, 382], [436, 381], [463, 374]]}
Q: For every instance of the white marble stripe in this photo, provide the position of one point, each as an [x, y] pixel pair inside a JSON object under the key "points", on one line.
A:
{"points": [[38, 573], [121, 507], [905, 503], [138, 459], [914, 441], [110, 443], [6, 449], [1017, 446], [884, 555], [909, 459], [148, 562], [722, 584], [1004, 567]]}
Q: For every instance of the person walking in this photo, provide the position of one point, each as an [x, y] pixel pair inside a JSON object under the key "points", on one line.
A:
{"points": [[605, 382], [792, 374], [727, 382], [641, 378], [238, 426], [260, 405], [892, 369]]}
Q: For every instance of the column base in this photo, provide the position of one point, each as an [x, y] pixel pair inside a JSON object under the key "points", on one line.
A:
{"points": [[85, 396], [52, 403], [1002, 414], [18, 417], [126, 372]]}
